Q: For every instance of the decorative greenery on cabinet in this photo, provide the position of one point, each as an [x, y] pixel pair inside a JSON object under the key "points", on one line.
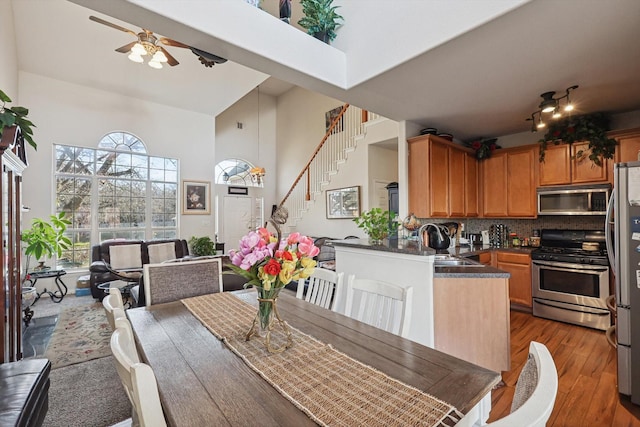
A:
{"points": [[588, 127]]}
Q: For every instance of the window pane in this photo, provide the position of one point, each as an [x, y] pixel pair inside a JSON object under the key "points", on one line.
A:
{"points": [[124, 193]]}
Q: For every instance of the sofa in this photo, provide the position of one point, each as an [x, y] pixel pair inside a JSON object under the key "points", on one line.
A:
{"points": [[24, 392], [128, 256]]}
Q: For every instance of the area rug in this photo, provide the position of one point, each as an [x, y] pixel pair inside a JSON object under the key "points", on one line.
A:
{"points": [[82, 334], [87, 394]]}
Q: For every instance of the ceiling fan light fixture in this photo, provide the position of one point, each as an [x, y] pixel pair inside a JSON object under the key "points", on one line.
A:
{"points": [[138, 49], [159, 56], [135, 58], [155, 64]]}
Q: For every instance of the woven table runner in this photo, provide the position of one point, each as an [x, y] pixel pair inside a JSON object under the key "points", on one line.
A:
{"points": [[329, 386]]}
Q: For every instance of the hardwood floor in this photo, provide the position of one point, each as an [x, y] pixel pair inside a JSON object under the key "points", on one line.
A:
{"points": [[586, 364]]}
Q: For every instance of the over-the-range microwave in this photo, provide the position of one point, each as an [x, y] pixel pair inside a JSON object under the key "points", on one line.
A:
{"points": [[574, 199]]}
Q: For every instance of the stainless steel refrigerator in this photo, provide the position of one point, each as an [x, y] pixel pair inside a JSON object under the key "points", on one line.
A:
{"points": [[624, 252]]}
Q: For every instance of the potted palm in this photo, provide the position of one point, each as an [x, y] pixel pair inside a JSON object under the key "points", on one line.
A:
{"points": [[15, 116], [46, 239], [320, 19]]}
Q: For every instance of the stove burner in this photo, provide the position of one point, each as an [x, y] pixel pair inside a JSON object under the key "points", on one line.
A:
{"points": [[566, 246]]}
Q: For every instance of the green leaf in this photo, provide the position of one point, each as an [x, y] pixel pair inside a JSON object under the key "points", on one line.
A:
{"points": [[4, 97]]}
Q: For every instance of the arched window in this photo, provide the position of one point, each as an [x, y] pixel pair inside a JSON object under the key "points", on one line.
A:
{"points": [[238, 172], [115, 191]]}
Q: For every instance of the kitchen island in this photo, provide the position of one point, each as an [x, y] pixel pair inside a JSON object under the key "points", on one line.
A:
{"points": [[461, 311]]}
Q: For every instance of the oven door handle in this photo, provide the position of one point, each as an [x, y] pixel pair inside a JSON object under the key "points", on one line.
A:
{"points": [[583, 309], [574, 268]]}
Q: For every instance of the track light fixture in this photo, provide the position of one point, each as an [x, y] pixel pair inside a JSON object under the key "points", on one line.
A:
{"points": [[551, 105]]}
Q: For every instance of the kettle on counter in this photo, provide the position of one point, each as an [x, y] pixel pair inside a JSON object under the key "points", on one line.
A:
{"points": [[435, 236]]}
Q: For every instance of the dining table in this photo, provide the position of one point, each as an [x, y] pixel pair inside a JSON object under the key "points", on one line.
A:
{"points": [[202, 382]]}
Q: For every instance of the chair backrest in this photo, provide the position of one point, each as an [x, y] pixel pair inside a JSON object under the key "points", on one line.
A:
{"points": [[111, 302], [138, 380], [323, 289], [380, 304], [173, 281], [536, 391]]}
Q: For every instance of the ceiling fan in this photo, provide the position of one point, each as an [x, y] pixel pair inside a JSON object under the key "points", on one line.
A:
{"points": [[147, 44]]}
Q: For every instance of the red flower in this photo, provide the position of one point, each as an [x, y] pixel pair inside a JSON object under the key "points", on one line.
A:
{"points": [[556, 133], [272, 267], [492, 147], [476, 145]]}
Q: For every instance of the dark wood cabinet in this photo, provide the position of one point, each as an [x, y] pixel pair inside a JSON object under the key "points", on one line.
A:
{"points": [[12, 164]]}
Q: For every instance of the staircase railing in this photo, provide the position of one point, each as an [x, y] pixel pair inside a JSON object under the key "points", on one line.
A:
{"points": [[330, 152]]}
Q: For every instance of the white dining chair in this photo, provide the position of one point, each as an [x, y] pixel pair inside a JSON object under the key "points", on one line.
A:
{"points": [[380, 304], [323, 288], [111, 302], [138, 380], [536, 391], [174, 281]]}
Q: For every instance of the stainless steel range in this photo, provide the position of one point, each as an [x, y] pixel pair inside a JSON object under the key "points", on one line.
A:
{"points": [[570, 278]]}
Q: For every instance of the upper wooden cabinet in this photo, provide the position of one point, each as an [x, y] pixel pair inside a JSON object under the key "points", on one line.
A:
{"points": [[509, 183], [563, 166], [628, 149], [442, 179]]}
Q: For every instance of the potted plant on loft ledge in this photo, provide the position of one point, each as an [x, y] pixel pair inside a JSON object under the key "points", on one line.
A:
{"points": [[320, 19], [588, 127], [15, 116]]}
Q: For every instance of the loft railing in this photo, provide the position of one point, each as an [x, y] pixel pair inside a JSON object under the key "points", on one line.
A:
{"points": [[330, 152]]}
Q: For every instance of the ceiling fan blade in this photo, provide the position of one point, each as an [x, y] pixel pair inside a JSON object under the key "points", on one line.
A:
{"points": [[109, 24], [126, 48], [210, 57], [170, 59], [174, 43]]}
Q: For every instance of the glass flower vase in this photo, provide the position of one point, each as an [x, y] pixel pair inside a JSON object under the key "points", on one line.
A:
{"points": [[268, 320]]}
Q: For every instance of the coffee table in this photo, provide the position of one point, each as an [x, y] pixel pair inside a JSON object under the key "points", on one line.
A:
{"points": [[56, 274], [124, 287]]}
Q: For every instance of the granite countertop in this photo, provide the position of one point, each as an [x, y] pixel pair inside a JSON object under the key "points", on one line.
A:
{"points": [[485, 272], [475, 250], [401, 246]]}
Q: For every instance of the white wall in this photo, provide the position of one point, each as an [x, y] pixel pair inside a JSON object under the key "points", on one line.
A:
{"points": [[257, 146], [8, 54], [76, 115]]}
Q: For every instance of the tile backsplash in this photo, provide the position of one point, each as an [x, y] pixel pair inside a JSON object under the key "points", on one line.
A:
{"points": [[524, 227]]}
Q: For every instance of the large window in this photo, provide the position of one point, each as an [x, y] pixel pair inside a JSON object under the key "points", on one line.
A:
{"points": [[115, 191]]}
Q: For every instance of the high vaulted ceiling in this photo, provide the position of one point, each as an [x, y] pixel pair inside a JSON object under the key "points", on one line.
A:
{"points": [[469, 68]]}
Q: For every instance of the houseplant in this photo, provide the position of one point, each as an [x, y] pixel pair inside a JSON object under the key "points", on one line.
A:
{"points": [[587, 127], [16, 116], [46, 239], [320, 19], [376, 223], [202, 246], [483, 147]]}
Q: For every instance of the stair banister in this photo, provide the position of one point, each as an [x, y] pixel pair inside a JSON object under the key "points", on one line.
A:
{"points": [[315, 153]]}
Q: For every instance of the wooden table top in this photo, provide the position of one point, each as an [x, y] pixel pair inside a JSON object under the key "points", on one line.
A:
{"points": [[202, 383]]}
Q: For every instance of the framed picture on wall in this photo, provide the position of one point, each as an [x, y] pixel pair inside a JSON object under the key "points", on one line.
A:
{"points": [[196, 197], [343, 203], [330, 116]]}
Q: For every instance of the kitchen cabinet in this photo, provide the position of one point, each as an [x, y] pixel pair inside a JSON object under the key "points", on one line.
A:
{"points": [[563, 166], [443, 179], [519, 266], [628, 149], [509, 183]]}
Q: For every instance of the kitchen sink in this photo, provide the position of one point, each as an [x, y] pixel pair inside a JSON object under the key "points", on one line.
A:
{"points": [[453, 261]]}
